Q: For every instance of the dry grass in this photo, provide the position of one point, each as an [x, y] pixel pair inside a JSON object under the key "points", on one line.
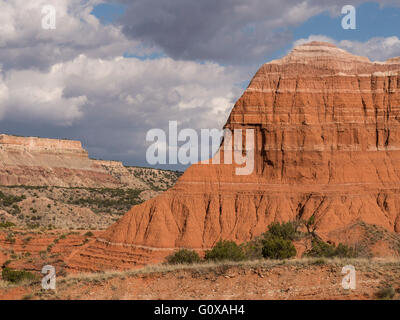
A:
{"points": [[360, 263], [100, 277], [83, 285]]}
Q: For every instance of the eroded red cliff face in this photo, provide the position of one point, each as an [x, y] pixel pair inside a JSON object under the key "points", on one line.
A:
{"points": [[327, 142]]}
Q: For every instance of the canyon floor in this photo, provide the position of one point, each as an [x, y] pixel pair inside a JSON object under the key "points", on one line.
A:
{"points": [[79, 207], [290, 279]]}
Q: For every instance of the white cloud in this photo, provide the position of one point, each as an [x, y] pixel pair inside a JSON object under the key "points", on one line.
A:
{"points": [[3, 97], [25, 44], [38, 96], [313, 38], [376, 49], [114, 102]]}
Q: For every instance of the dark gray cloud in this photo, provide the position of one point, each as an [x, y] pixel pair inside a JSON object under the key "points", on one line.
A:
{"points": [[228, 31], [225, 31]]}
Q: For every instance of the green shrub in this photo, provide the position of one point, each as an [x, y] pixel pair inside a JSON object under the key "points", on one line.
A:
{"points": [[89, 234], [225, 250], [33, 225], [183, 256], [285, 231], [344, 251], [7, 224], [385, 293], [9, 200], [278, 248], [320, 248], [16, 276], [253, 249], [323, 249]]}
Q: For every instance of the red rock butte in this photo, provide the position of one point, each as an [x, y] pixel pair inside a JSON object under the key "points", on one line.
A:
{"points": [[327, 142]]}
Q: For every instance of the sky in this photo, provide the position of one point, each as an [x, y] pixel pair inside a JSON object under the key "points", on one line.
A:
{"points": [[110, 71]]}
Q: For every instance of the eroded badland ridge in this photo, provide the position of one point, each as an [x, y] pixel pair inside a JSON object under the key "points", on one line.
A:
{"points": [[52, 182]]}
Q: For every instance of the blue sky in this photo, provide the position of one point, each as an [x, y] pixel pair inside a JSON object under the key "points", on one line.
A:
{"points": [[109, 12], [372, 21]]}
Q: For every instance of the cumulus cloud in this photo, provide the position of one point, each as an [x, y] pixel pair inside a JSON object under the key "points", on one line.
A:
{"points": [[112, 103], [379, 48], [376, 49], [25, 44], [38, 96]]}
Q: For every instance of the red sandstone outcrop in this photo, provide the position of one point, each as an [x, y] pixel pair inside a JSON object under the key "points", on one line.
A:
{"points": [[327, 142]]}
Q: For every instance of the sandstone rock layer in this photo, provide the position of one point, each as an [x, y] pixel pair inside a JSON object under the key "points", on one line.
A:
{"points": [[36, 161], [327, 142]]}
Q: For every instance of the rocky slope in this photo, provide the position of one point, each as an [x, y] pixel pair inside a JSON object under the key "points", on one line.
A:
{"points": [[35, 161], [327, 143], [294, 279], [50, 182]]}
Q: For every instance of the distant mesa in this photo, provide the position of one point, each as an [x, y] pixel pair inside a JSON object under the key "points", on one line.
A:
{"points": [[34, 161]]}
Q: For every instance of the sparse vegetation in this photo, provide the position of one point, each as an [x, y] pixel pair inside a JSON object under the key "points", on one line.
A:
{"points": [[27, 240], [109, 200], [277, 241], [278, 248], [46, 204], [10, 238], [183, 256], [9, 200], [7, 224], [386, 293], [323, 249], [17, 276], [285, 231], [158, 180], [225, 250]]}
